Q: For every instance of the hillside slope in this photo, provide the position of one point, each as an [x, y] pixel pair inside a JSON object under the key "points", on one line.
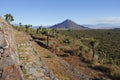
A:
{"points": [[31, 63], [39, 63]]}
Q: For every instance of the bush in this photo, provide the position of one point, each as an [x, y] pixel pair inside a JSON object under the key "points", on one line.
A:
{"points": [[108, 61], [66, 41], [48, 56]]}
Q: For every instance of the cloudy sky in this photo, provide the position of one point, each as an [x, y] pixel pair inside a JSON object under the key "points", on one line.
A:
{"points": [[49, 12]]}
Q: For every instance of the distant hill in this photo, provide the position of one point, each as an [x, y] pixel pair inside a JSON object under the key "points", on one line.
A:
{"points": [[68, 24], [35, 27], [116, 28]]}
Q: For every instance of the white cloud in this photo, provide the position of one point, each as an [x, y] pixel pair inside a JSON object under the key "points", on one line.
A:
{"points": [[108, 20]]}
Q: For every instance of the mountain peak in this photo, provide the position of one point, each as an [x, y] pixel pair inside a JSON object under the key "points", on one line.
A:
{"points": [[68, 20], [68, 24]]}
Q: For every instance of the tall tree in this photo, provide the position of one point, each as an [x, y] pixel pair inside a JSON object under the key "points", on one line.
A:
{"points": [[92, 44], [20, 24], [38, 29], [9, 18], [53, 32], [48, 34]]}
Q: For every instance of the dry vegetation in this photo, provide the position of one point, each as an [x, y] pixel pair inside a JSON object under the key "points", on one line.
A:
{"points": [[74, 50]]}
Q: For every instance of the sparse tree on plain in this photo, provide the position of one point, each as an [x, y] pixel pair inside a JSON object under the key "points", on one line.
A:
{"points": [[38, 29], [20, 24], [92, 44], [48, 33]]}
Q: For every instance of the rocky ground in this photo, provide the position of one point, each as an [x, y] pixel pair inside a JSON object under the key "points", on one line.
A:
{"points": [[31, 63]]}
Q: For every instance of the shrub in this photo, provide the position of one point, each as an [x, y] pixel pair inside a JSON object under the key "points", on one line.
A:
{"points": [[48, 56], [66, 41], [108, 61]]}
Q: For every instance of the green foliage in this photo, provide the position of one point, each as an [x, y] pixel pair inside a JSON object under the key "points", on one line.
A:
{"points": [[80, 48], [9, 18], [19, 28], [27, 27], [108, 61], [38, 30], [20, 24], [48, 56], [92, 43], [66, 41], [109, 41]]}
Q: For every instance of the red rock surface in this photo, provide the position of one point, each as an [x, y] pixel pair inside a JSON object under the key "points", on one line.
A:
{"points": [[9, 62]]}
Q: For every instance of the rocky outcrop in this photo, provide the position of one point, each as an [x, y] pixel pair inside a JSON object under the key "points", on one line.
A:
{"points": [[33, 66], [9, 62]]}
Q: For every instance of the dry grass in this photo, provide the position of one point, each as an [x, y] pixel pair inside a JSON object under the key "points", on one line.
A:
{"points": [[21, 37], [53, 63], [51, 60], [115, 72], [80, 65], [112, 71], [59, 69], [58, 47]]}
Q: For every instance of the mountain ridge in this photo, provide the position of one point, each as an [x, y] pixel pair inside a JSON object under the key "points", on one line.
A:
{"points": [[102, 26], [68, 24]]}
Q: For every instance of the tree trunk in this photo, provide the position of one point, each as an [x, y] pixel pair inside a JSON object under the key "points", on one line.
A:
{"points": [[93, 50], [47, 39]]}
